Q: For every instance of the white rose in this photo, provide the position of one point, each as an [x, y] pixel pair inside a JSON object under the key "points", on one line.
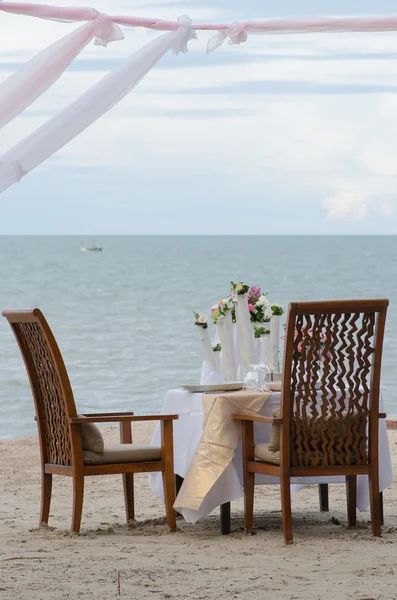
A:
{"points": [[268, 312], [263, 302], [229, 303]]}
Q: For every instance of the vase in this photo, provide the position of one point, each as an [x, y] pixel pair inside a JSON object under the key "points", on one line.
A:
{"points": [[244, 330], [226, 342], [264, 349], [206, 345], [275, 323], [217, 360]]}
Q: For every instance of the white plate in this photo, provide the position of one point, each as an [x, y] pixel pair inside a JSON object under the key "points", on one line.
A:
{"points": [[230, 386], [274, 386]]}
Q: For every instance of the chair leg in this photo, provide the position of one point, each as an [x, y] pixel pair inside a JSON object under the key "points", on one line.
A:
{"points": [[323, 497], [128, 484], [249, 478], [169, 498], [78, 497], [285, 488], [376, 517], [249, 486], [351, 496], [46, 488], [167, 449], [128, 478]]}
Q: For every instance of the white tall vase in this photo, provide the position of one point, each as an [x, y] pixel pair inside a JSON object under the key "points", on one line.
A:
{"points": [[226, 341], [264, 353], [217, 360], [275, 323], [244, 330], [206, 345]]}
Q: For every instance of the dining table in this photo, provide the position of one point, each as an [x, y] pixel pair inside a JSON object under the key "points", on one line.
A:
{"points": [[188, 432]]}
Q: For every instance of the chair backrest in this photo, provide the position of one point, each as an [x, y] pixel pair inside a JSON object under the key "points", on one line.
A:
{"points": [[49, 381], [331, 381]]}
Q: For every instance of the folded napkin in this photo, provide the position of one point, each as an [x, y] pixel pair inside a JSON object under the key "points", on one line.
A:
{"points": [[209, 376]]}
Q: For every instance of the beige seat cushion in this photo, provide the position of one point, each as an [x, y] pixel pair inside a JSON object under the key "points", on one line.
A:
{"points": [[122, 453], [263, 452], [91, 437], [274, 443]]}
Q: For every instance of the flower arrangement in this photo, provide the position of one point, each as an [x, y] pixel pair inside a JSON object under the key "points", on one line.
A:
{"points": [[277, 311], [309, 333], [200, 320], [255, 316], [220, 309], [239, 288], [260, 330], [260, 308]]}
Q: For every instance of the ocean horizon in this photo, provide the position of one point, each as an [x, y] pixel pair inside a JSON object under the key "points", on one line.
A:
{"points": [[123, 317]]}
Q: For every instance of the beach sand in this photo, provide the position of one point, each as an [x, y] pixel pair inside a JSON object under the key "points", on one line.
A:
{"points": [[110, 560]]}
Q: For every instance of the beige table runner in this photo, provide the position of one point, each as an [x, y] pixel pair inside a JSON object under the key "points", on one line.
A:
{"points": [[218, 443]]}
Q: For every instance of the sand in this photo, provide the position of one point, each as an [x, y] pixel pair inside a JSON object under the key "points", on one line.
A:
{"points": [[110, 560]]}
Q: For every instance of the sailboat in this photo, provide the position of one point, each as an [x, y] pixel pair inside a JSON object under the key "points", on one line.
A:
{"points": [[93, 248]]}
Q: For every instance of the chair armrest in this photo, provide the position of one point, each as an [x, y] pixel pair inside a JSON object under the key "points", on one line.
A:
{"points": [[112, 414], [271, 420], [120, 418]]}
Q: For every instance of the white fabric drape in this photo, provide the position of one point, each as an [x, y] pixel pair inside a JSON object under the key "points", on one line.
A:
{"points": [[79, 115], [37, 75]]}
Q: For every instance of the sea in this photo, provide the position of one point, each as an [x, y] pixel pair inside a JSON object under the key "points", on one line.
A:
{"points": [[123, 318]]}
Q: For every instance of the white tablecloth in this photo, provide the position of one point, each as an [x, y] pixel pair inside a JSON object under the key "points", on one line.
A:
{"points": [[187, 434]]}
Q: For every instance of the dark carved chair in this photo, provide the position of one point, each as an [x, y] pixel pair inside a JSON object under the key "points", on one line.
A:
{"points": [[329, 416], [60, 427]]}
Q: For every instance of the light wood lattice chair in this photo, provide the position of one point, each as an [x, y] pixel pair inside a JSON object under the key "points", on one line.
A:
{"points": [[60, 427], [329, 416]]}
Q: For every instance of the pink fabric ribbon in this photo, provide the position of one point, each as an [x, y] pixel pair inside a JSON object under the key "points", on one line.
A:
{"points": [[106, 31], [236, 33]]}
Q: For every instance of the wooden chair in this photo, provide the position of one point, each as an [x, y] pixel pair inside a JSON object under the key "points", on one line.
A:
{"points": [[327, 426], [59, 427]]}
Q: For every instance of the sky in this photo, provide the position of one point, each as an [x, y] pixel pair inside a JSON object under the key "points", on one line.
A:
{"points": [[284, 134]]}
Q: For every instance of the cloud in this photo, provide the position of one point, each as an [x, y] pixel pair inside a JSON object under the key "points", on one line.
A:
{"points": [[346, 205], [361, 198]]}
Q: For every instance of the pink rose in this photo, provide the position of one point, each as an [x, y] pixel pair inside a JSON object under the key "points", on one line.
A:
{"points": [[251, 307]]}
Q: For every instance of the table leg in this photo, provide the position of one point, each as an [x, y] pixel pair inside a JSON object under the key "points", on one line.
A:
{"points": [[178, 483], [323, 497], [225, 518]]}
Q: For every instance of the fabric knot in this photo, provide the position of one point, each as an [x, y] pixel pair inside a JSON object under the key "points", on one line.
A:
{"points": [[185, 33], [236, 34], [106, 31]]}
